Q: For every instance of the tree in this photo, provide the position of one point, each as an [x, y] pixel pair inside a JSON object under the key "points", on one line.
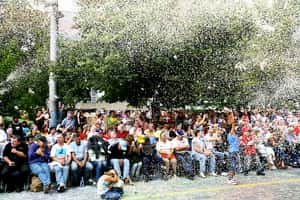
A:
{"points": [[144, 55], [23, 56]]}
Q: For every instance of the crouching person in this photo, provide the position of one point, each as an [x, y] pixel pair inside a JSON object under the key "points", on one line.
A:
{"points": [[110, 186], [80, 167], [39, 155], [61, 157]]}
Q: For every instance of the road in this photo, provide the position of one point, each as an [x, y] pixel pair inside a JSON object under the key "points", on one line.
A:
{"points": [[279, 185]]}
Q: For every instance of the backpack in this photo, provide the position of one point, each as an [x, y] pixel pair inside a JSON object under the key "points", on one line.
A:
{"points": [[98, 145], [36, 184]]}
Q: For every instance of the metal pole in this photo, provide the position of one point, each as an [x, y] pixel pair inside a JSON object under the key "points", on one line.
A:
{"points": [[53, 53]]}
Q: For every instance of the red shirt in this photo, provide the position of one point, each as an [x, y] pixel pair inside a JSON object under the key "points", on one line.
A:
{"points": [[249, 149], [122, 135], [245, 118], [105, 136], [83, 136], [297, 130]]}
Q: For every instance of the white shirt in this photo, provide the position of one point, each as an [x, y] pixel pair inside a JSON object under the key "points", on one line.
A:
{"points": [[3, 136], [3, 141], [60, 151], [199, 142], [164, 147], [210, 145], [180, 143]]}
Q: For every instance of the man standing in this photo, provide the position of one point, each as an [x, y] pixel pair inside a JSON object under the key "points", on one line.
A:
{"points": [[233, 150], [17, 128], [3, 139], [69, 123], [80, 165], [16, 168]]}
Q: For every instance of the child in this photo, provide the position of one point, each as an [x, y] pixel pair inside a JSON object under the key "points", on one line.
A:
{"points": [[109, 186], [233, 150]]}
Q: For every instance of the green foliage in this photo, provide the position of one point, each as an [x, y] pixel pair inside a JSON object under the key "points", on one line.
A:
{"points": [[23, 57], [170, 53]]}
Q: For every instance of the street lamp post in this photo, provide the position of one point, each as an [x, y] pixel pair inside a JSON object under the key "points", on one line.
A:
{"points": [[53, 4]]}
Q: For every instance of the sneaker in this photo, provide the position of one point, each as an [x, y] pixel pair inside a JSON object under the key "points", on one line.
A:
{"points": [[260, 173], [224, 174], [128, 181], [46, 189], [213, 174], [232, 182], [61, 188], [91, 182], [202, 175], [273, 167], [147, 178], [18, 190], [191, 177]]}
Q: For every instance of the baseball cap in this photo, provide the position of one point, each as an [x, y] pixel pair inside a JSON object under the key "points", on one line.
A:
{"points": [[179, 133]]}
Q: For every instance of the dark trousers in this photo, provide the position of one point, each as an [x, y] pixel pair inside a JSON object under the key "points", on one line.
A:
{"points": [[15, 176], [184, 159], [150, 163], [114, 193]]}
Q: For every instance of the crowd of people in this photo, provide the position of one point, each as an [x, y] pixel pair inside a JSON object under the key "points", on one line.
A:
{"points": [[129, 146]]}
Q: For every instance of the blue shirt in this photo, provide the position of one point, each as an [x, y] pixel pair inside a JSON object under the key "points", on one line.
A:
{"points": [[79, 150], [233, 143], [35, 158], [68, 122]]}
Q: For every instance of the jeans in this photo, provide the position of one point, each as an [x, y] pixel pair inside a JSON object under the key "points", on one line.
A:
{"points": [[233, 161], [136, 169], [186, 161], [100, 167], [113, 194], [42, 170], [126, 166], [149, 161], [202, 161], [77, 172], [253, 157], [61, 174]]}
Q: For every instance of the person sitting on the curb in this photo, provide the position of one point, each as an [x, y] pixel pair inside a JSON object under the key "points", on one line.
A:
{"points": [[98, 155], [119, 157], [248, 140], [80, 166], [61, 157], [183, 155], [16, 167], [166, 151], [39, 155], [151, 158], [201, 154]]}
